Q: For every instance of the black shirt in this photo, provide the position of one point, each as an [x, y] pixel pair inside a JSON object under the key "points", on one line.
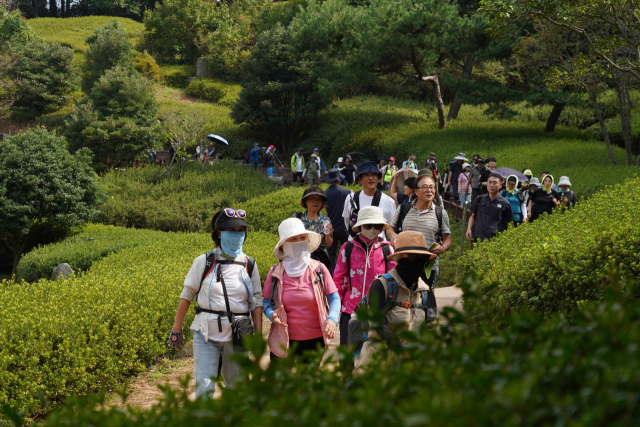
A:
{"points": [[491, 216], [456, 170], [348, 172], [543, 202], [484, 177], [336, 196]]}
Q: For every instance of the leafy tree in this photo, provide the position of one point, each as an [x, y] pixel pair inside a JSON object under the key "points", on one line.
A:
{"points": [[116, 120], [109, 47], [354, 44], [175, 27], [42, 186], [14, 28], [279, 96], [44, 75]]}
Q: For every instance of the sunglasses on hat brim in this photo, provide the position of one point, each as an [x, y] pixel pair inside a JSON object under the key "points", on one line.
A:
{"points": [[231, 213]]}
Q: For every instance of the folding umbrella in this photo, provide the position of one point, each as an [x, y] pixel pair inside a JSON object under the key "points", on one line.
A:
{"points": [[505, 172]]}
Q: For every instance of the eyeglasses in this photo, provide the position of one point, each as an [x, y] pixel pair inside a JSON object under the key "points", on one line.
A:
{"points": [[374, 226], [427, 188], [235, 213]]}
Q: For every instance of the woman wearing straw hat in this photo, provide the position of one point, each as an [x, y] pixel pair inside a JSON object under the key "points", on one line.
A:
{"points": [[313, 200], [401, 294], [301, 299], [226, 284], [359, 262]]}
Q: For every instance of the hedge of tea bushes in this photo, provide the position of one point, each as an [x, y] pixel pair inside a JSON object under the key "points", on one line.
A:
{"points": [[266, 212], [71, 337], [91, 243], [560, 261]]}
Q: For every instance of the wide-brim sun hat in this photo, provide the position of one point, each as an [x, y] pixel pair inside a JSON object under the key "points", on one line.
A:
{"points": [[315, 193], [410, 242], [564, 180], [459, 157], [432, 156], [370, 215], [368, 167], [333, 176], [293, 227]]}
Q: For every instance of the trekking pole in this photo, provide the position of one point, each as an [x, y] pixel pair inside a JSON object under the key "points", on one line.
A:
{"points": [[464, 220]]}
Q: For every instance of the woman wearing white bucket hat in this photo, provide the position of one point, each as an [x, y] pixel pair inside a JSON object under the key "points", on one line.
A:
{"points": [[567, 197], [300, 297]]}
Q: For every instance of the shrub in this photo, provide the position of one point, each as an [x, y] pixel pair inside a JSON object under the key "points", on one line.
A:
{"points": [[177, 75], [91, 331], [557, 263], [148, 67], [532, 373], [205, 89], [80, 251], [145, 198], [265, 214]]}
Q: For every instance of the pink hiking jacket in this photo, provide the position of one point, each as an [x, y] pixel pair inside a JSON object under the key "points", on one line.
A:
{"points": [[364, 269]]}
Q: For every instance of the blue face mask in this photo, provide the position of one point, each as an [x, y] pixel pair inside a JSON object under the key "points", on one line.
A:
{"points": [[231, 242]]}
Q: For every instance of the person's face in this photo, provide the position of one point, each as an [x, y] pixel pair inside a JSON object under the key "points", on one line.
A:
{"points": [[314, 203], [564, 187], [460, 162], [492, 164], [426, 190], [467, 169], [511, 185], [382, 162], [392, 162], [408, 190], [347, 161], [474, 158], [533, 187], [298, 238], [493, 185], [547, 182], [369, 180], [479, 165], [412, 158]]}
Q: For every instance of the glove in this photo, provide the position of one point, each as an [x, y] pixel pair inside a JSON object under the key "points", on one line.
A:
{"points": [[175, 339]]}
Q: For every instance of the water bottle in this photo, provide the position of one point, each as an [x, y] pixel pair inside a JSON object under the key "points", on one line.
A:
{"points": [[325, 226]]}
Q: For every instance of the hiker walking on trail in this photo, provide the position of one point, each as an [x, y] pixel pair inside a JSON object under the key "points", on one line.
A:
{"points": [[401, 294], [464, 184], [321, 166], [312, 171], [543, 200], [456, 170], [516, 200], [381, 167], [359, 262], [433, 167], [427, 216], [528, 189], [474, 176], [484, 176], [388, 172], [225, 283], [567, 197], [349, 170], [542, 175], [336, 196], [270, 160], [369, 196], [254, 155], [411, 163], [490, 213], [313, 200], [297, 166], [300, 297]]}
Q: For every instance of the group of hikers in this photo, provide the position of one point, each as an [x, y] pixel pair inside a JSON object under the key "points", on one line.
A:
{"points": [[369, 248]]}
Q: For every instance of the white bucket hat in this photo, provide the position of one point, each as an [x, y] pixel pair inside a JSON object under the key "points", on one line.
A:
{"points": [[293, 227], [465, 165], [340, 159], [370, 215], [534, 181], [564, 180]]}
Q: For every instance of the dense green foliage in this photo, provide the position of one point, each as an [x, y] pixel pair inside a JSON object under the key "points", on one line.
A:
{"points": [[91, 331], [532, 373], [265, 215], [82, 249], [74, 32], [14, 29], [148, 67], [174, 29], [279, 96], [559, 262], [206, 90], [145, 198], [117, 121], [108, 47], [177, 75], [42, 186]]}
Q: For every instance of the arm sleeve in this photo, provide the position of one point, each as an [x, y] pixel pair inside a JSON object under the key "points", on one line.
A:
{"points": [[192, 281], [334, 307], [446, 225], [267, 309], [523, 208], [346, 211], [394, 221]]}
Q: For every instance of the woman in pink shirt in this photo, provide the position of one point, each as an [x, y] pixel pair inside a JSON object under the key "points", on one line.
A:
{"points": [[464, 185], [300, 297]]}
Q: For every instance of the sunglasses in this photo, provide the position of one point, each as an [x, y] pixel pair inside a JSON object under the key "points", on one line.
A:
{"points": [[374, 226], [235, 213], [416, 257]]}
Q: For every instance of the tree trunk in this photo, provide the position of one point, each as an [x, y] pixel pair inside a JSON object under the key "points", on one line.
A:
{"points": [[61, 8], [17, 247], [467, 68], [552, 121], [68, 7], [437, 94], [53, 8], [624, 100], [603, 126]]}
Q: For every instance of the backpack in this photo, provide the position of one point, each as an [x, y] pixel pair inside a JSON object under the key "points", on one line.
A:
{"points": [[212, 260], [355, 207], [349, 249], [247, 157], [404, 210]]}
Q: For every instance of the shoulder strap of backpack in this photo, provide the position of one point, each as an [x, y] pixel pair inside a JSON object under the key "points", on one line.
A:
{"points": [[251, 263], [386, 250], [298, 215], [376, 198], [355, 201], [439, 217], [392, 285], [348, 249], [274, 287], [404, 210], [424, 300], [209, 265]]}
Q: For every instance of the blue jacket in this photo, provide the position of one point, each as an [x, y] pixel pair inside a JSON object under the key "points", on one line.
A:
{"points": [[322, 167], [254, 155], [514, 201]]}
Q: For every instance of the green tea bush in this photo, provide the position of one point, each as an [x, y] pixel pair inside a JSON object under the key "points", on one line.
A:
{"points": [[532, 373], [177, 75], [148, 67], [81, 250], [558, 262], [146, 198], [265, 213], [65, 338], [205, 89]]}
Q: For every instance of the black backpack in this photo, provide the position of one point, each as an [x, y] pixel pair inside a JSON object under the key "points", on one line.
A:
{"points": [[404, 210], [212, 260], [349, 249], [355, 207]]}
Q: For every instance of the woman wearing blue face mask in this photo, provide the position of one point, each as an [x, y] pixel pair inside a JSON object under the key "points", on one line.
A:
{"points": [[226, 285]]}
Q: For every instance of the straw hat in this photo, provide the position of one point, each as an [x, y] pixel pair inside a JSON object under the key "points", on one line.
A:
{"points": [[410, 242], [370, 215], [293, 227]]}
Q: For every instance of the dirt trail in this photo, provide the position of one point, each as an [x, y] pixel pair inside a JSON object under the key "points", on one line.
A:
{"points": [[144, 391]]}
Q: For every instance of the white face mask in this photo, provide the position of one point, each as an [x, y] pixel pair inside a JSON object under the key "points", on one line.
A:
{"points": [[296, 257], [370, 234]]}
